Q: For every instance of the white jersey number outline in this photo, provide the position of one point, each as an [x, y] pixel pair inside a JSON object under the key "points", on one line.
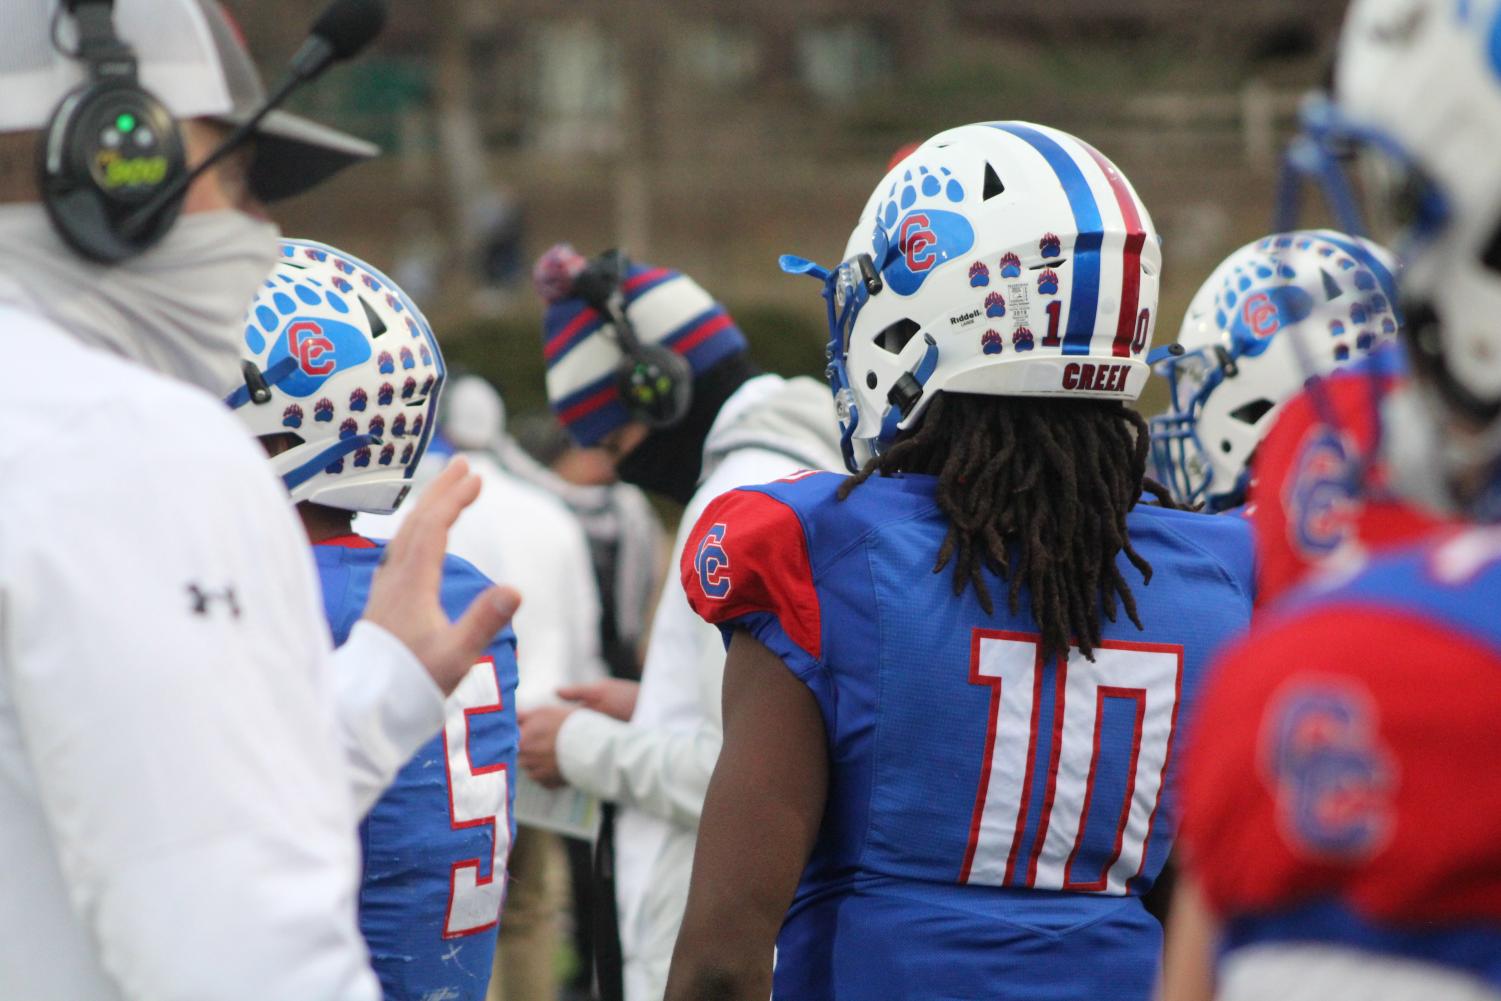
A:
{"points": [[473, 794], [1010, 664]]}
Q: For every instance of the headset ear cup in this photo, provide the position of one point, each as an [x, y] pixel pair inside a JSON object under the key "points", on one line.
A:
{"points": [[655, 384], [109, 148]]}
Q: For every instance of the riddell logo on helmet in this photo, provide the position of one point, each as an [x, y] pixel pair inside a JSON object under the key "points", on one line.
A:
{"points": [[1096, 378]]}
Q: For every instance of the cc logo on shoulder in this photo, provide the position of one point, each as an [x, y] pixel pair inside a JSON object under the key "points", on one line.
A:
{"points": [[712, 564]]}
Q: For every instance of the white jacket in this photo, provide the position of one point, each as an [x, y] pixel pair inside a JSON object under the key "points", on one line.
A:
{"points": [[657, 766], [178, 794], [518, 534]]}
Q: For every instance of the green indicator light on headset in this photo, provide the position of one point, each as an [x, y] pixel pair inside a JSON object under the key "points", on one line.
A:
{"points": [[126, 122]]}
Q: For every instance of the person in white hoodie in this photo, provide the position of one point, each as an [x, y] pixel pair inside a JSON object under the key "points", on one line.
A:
{"points": [[645, 364], [183, 760]]}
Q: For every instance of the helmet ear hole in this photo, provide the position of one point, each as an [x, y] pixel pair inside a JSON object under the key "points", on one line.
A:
{"points": [[870, 380], [895, 337], [1250, 413]]}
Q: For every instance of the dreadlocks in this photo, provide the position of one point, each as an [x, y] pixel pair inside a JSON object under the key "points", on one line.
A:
{"points": [[1035, 490]]}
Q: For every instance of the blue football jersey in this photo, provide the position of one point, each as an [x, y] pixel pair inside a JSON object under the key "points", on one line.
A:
{"points": [[436, 843], [992, 818]]}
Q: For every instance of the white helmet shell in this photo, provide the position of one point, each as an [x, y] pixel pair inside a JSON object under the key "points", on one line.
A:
{"points": [[1002, 258], [1274, 314], [338, 356], [1420, 82]]}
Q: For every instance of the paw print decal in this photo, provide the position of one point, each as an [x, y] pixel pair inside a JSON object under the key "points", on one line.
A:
{"points": [[348, 428], [407, 361], [378, 426], [1336, 328], [406, 454], [293, 323], [979, 275], [995, 305], [990, 342], [385, 394], [427, 356], [1011, 266], [427, 385], [412, 327], [335, 467], [1021, 339], [1047, 282], [919, 220], [399, 426], [361, 458], [358, 399], [1341, 351], [408, 388], [323, 410], [370, 282], [292, 416], [417, 426], [394, 303], [1050, 246], [387, 454], [385, 363]]}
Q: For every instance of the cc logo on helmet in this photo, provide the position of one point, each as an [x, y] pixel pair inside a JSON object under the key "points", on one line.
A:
{"points": [[1260, 315], [712, 564], [307, 343], [916, 240]]}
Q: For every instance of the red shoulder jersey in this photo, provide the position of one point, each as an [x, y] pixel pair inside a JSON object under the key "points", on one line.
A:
{"points": [[1339, 785], [1306, 506]]}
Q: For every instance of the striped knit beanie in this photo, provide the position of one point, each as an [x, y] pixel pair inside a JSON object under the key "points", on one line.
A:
{"points": [[665, 306]]}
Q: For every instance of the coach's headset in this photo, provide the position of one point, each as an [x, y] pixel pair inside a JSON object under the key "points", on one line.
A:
{"points": [[655, 383], [110, 148], [111, 164]]}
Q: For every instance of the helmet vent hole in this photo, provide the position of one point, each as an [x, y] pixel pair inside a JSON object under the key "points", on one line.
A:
{"points": [[1225, 445], [871, 380], [895, 337], [993, 185], [1250, 413], [377, 325], [1331, 287]]}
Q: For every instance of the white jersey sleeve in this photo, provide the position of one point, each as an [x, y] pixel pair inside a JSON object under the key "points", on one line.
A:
{"points": [[175, 812]]}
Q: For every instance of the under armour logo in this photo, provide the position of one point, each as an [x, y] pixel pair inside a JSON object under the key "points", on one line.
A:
{"points": [[201, 600]]}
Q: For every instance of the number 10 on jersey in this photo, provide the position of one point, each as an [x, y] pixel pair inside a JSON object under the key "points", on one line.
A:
{"points": [[1075, 757]]}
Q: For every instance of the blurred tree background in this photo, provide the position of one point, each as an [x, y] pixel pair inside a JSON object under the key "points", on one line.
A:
{"points": [[711, 136]]}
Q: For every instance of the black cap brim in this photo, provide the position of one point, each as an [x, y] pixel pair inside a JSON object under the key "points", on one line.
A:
{"points": [[294, 154]]}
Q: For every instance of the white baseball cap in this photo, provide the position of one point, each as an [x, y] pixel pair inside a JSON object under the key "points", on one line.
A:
{"points": [[193, 59]]}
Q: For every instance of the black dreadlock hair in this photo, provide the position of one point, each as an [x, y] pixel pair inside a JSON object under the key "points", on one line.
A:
{"points": [[1035, 490]]}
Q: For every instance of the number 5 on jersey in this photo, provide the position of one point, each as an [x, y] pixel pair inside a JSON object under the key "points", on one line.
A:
{"points": [[473, 792], [1075, 757]]}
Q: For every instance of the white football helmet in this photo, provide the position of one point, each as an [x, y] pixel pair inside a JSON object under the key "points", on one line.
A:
{"points": [[338, 356], [1002, 258], [1276, 313], [1418, 87]]}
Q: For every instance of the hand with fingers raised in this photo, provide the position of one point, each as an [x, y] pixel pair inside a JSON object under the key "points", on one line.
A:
{"points": [[404, 595]]}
